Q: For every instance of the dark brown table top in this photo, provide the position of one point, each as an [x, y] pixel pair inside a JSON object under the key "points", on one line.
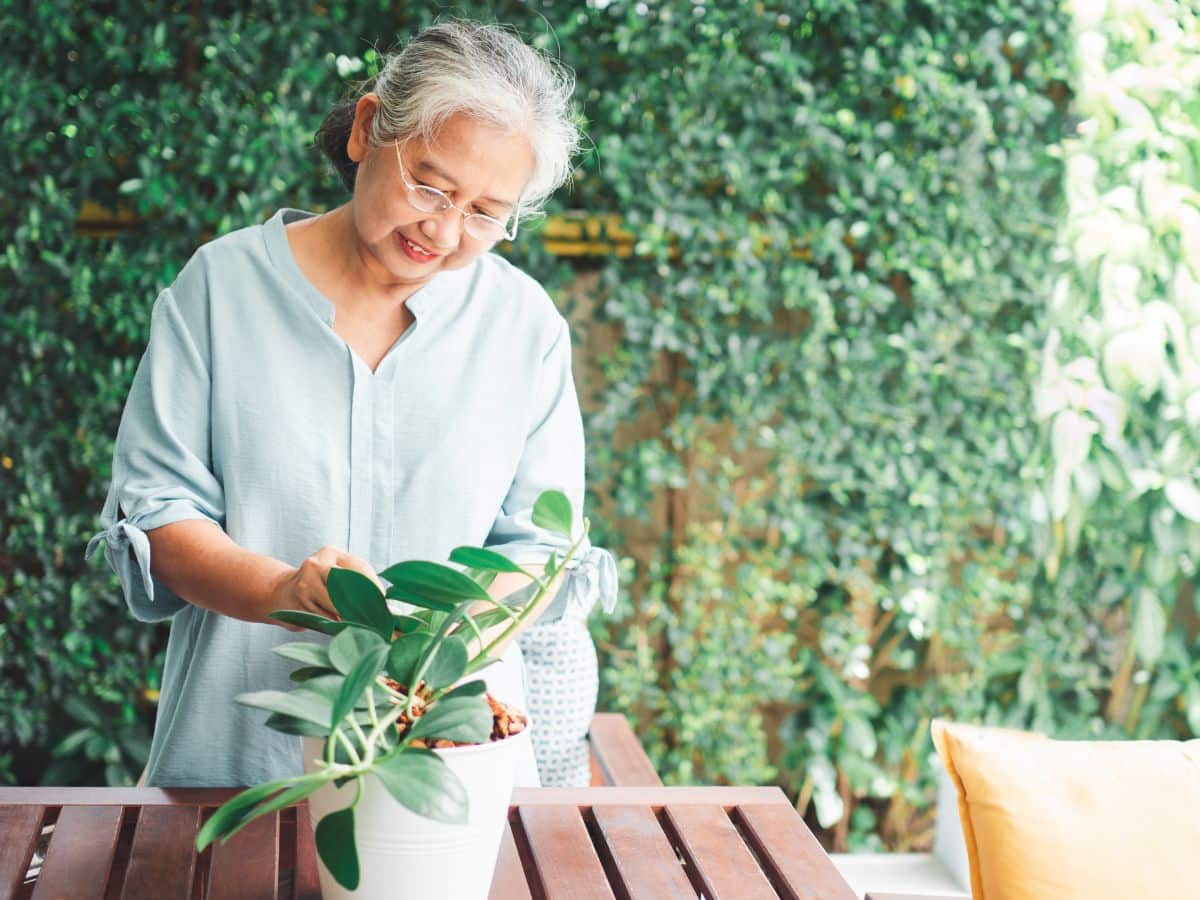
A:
{"points": [[598, 842]]}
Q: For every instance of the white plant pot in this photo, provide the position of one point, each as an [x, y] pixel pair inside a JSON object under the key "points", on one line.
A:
{"points": [[404, 856]]}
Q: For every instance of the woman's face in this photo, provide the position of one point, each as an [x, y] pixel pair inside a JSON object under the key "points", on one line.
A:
{"points": [[481, 168]]}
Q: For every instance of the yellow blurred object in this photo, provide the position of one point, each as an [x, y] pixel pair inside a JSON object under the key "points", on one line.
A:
{"points": [[1046, 819]]}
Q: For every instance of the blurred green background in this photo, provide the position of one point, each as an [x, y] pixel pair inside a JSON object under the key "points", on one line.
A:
{"points": [[892, 394]]}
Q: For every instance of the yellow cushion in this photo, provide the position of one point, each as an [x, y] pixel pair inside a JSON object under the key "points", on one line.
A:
{"points": [[1048, 819]]}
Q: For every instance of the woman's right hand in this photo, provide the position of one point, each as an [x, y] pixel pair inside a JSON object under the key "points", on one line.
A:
{"points": [[304, 588]]}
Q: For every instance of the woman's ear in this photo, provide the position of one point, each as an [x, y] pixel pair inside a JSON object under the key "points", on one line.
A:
{"points": [[364, 115]]}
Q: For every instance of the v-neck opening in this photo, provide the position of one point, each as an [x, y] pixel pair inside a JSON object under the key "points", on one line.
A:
{"points": [[384, 360], [419, 303]]}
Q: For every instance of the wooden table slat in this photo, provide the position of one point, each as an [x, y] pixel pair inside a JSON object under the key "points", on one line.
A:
{"points": [[20, 827], [509, 882], [80, 855], [642, 857], [619, 753], [163, 861], [115, 796], [567, 865], [728, 797], [776, 833], [307, 883], [248, 865], [562, 844], [722, 864]]}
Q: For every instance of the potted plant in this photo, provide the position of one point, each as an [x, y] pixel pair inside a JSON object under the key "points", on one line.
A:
{"points": [[391, 696]]}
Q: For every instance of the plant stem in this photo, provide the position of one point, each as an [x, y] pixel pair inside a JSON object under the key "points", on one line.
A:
{"points": [[358, 733], [526, 611], [350, 751], [475, 628], [388, 720], [374, 715]]}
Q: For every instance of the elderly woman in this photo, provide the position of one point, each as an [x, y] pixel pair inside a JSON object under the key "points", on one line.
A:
{"points": [[357, 388]]}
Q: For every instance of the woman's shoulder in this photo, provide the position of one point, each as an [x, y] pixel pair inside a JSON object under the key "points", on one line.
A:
{"points": [[234, 258], [229, 253], [498, 289]]}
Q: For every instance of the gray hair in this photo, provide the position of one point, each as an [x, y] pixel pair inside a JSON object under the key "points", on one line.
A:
{"points": [[484, 71]]}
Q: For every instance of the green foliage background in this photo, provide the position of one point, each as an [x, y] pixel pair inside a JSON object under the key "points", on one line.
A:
{"points": [[812, 434]]}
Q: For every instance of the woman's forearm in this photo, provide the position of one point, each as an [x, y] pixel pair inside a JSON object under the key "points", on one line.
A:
{"points": [[203, 565], [506, 583]]}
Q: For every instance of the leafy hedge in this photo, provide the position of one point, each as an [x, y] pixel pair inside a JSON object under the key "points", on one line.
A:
{"points": [[811, 433], [1117, 509]]}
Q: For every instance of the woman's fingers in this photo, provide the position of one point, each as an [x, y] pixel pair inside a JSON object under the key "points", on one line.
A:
{"points": [[358, 564]]}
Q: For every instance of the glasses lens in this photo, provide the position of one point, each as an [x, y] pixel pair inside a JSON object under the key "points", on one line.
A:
{"points": [[484, 228], [428, 199]]}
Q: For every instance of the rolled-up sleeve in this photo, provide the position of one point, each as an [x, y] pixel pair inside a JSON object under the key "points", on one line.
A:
{"points": [[553, 459], [162, 466]]}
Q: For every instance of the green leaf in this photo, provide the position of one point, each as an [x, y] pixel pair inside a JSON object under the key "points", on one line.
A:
{"points": [[1192, 699], [235, 812], [307, 785], [467, 720], [307, 620], [335, 845], [481, 662], [466, 689], [1149, 627], [306, 673], [552, 511], [309, 654], [404, 655], [421, 781], [485, 560], [449, 663], [359, 678], [286, 724], [72, 742], [358, 599], [487, 619], [351, 645], [416, 581], [406, 624], [482, 578], [423, 602], [1182, 494], [301, 703], [83, 712]]}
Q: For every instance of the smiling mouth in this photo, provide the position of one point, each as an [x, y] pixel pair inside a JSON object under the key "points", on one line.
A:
{"points": [[414, 251]]}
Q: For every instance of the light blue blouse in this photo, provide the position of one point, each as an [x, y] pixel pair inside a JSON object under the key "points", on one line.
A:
{"points": [[249, 411]]}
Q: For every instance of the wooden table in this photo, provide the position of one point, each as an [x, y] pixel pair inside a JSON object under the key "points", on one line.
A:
{"points": [[598, 842]]}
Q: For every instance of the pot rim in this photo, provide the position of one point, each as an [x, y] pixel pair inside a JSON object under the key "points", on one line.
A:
{"points": [[468, 748]]}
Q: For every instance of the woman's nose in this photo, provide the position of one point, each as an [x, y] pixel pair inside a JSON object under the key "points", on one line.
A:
{"points": [[444, 230]]}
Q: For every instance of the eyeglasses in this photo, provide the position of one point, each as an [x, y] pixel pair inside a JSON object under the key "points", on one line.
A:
{"points": [[428, 199]]}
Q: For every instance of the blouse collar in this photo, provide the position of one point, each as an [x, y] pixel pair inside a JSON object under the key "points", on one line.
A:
{"points": [[420, 304]]}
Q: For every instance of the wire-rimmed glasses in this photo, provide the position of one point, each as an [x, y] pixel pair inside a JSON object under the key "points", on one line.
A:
{"points": [[428, 199]]}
